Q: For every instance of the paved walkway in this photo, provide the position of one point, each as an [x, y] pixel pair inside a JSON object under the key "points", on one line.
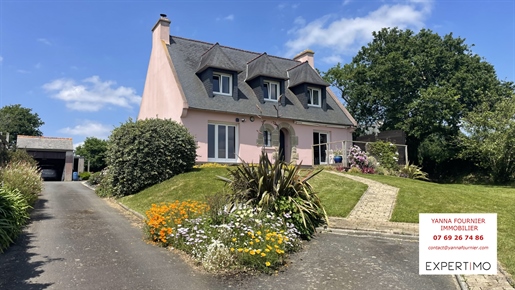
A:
{"points": [[373, 213]]}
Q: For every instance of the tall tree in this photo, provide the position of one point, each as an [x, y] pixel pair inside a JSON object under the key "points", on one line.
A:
{"points": [[17, 120], [490, 139], [423, 84], [94, 151]]}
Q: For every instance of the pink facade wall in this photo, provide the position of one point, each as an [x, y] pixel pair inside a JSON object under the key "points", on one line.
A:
{"points": [[247, 134], [162, 95]]}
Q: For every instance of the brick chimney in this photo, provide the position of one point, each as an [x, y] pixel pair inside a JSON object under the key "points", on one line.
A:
{"points": [[161, 31], [306, 55]]}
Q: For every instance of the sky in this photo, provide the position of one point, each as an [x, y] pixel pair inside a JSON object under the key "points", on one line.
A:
{"points": [[81, 65]]}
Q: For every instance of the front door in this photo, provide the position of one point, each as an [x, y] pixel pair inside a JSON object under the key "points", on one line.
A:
{"points": [[320, 149], [282, 146]]}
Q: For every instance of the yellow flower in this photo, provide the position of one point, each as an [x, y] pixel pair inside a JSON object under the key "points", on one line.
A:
{"points": [[252, 252], [234, 239], [257, 240], [240, 250], [263, 254], [251, 243], [267, 250], [246, 250], [258, 233], [232, 249], [258, 251], [267, 264]]}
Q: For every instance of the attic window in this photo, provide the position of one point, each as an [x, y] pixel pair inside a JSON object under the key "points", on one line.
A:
{"points": [[271, 90], [314, 97], [222, 84]]}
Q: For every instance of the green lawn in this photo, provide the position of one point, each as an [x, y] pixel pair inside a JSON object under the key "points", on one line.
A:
{"points": [[339, 195], [424, 197]]}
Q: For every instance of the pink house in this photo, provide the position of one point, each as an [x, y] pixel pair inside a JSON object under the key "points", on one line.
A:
{"points": [[237, 102]]}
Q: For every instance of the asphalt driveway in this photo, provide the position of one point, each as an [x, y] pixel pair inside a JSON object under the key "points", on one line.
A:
{"points": [[78, 241]]}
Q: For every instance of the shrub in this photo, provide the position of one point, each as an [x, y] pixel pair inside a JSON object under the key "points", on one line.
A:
{"points": [[385, 153], [13, 215], [95, 178], [24, 177], [278, 187], [354, 170], [20, 155], [146, 152], [413, 172], [85, 175], [358, 158], [104, 187]]}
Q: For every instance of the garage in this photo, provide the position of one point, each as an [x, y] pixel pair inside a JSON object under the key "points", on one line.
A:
{"points": [[54, 155]]}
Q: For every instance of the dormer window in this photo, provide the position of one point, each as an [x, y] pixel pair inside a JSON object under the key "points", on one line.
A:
{"points": [[271, 90], [222, 84], [314, 97]]}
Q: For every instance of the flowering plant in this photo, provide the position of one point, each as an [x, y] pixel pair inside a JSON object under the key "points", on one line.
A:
{"points": [[358, 158]]}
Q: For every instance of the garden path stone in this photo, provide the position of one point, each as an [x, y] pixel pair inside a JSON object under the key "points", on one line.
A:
{"points": [[373, 212]]}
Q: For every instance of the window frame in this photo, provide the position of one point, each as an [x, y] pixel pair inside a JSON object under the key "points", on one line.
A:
{"points": [[310, 97], [220, 83], [267, 138], [216, 157], [267, 86]]}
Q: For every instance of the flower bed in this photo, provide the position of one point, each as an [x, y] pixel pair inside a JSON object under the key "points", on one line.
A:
{"points": [[240, 237]]}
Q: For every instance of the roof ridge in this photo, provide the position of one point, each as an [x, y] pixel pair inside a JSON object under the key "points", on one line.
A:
{"points": [[264, 53], [297, 65], [230, 47], [213, 46]]}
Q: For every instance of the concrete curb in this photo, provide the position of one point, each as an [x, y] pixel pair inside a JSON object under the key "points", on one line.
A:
{"points": [[135, 213]]}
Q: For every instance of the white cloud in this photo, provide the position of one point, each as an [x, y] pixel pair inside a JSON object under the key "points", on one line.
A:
{"points": [[77, 145], [229, 17], [346, 2], [38, 65], [44, 41], [332, 59], [22, 71], [88, 128], [345, 35], [92, 94], [1, 59]]}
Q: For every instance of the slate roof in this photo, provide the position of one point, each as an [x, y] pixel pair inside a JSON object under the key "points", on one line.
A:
{"points": [[263, 66], [305, 73], [44, 143], [191, 56]]}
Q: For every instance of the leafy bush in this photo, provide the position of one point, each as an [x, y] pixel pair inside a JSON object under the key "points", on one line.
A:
{"points": [[104, 186], [95, 178], [358, 158], [24, 177], [278, 188], [85, 175], [354, 170], [20, 155], [413, 172], [385, 153], [146, 152], [13, 215]]}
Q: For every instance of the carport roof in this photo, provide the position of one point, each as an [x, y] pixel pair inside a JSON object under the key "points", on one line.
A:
{"points": [[44, 143]]}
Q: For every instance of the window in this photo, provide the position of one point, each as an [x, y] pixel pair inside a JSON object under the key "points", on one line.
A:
{"points": [[267, 138], [314, 97], [221, 142], [320, 141], [271, 90], [222, 84]]}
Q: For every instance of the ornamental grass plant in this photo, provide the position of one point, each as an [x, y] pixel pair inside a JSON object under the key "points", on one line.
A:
{"points": [[13, 215], [23, 176], [278, 187]]}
